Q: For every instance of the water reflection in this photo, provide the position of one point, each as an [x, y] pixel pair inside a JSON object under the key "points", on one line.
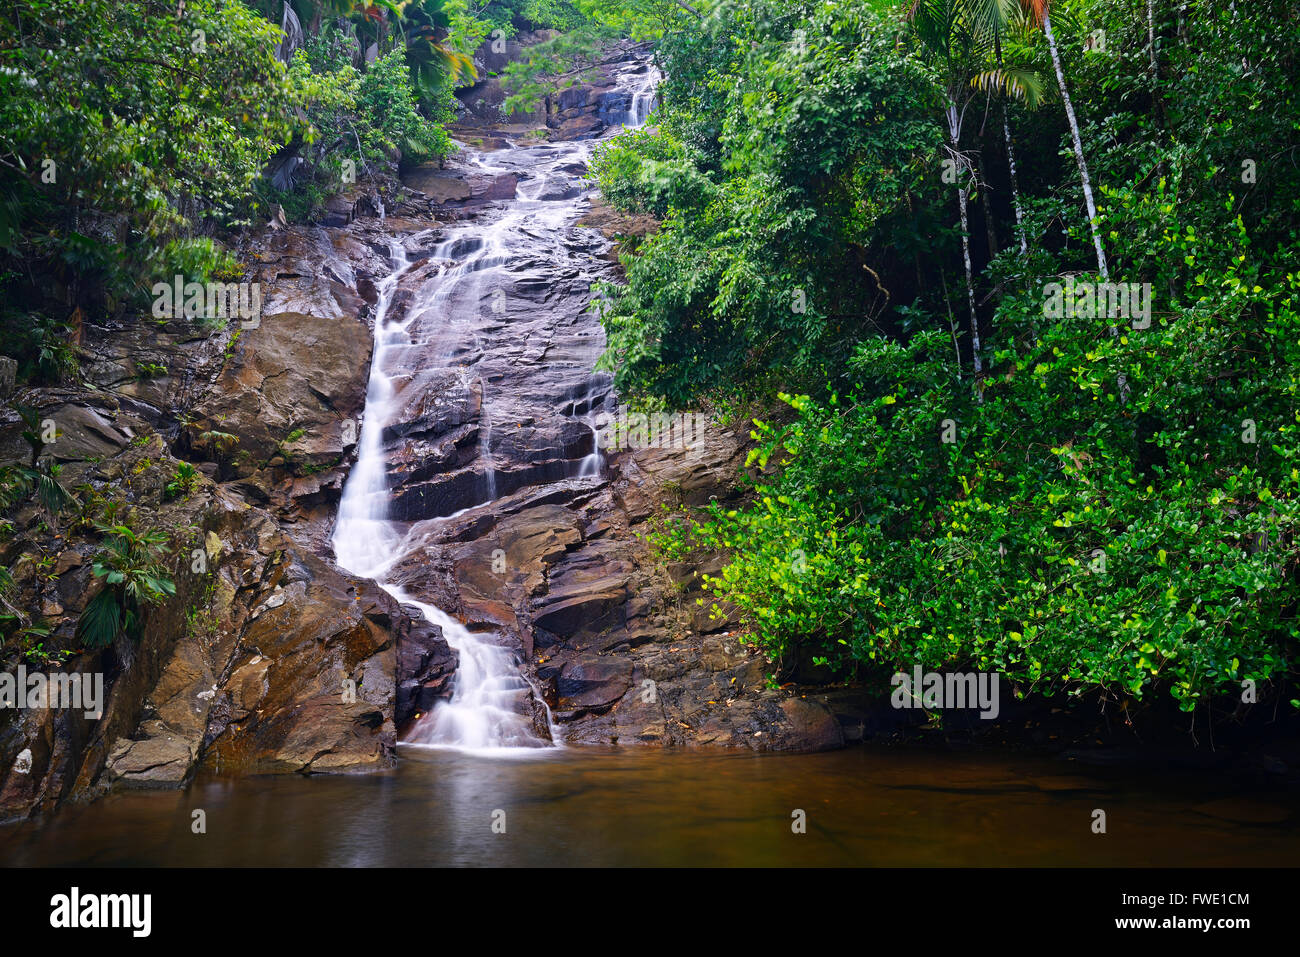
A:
{"points": [[583, 806]]}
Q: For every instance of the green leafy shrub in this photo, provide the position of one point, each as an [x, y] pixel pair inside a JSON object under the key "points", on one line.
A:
{"points": [[130, 565], [386, 96], [1068, 537], [196, 259], [183, 482]]}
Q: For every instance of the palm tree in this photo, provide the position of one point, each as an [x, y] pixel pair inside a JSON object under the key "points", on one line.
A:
{"points": [[951, 40], [956, 36], [420, 25], [998, 17], [1041, 13]]}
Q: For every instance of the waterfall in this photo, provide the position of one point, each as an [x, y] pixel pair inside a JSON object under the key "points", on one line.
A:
{"points": [[491, 698], [493, 701], [485, 439], [489, 706], [643, 101], [363, 538], [595, 417]]}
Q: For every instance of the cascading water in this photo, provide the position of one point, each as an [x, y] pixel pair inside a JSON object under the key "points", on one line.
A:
{"points": [[363, 537], [490, 702], [491, 706], [643, 101], [485, 440], [639, 102], [597, 419]]}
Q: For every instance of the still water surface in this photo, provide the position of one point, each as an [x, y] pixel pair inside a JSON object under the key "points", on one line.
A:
{"points": [[582, 806]]}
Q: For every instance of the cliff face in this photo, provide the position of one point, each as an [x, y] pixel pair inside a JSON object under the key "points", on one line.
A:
{"points": [[272, 658], [269, 657]]}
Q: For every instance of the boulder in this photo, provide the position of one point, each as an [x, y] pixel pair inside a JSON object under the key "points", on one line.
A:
{"points": [[293, 388]]}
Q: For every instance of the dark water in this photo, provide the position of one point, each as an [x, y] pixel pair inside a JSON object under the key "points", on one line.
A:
{"points": [[596, 807]]}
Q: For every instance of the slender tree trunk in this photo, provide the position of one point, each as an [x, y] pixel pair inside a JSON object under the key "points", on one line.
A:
{"points": [[954, 135], [970, 282], [1011, 162], [1015, 184], [1078, 148]]}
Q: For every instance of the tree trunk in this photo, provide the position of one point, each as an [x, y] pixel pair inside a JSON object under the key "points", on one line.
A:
{"points": [[970, 283], [1011, 162], [952, 320], [1015, 184], [954, 136], [1078, 148]]}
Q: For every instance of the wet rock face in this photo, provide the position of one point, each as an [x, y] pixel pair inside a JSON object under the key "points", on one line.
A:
{"points": [[425, 666], [281, 410], [291, 390], [517, 527], [269, 658], [311, 685], [273, 659], [616, 641], [597, 101]]}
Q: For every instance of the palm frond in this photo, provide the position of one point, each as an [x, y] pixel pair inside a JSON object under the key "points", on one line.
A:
{"points": [[1024, 85], [101, 620], [53, 496], [15, 484]]}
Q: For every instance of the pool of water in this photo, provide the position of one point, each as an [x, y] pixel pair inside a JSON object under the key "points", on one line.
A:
{"points": [[581, 806]]}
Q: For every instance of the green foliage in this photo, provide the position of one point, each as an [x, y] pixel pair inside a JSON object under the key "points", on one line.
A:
{"points": [[183, 482], [1066, 539], [357, 119], [155, 122], [149, 137], [643, 19], [130, 564], [437, 62], [512, 15], [195, 259], [18, 629], [644, 171], [147, 127], [218, 441], [819, 147], [545, 68], [37, 477], [385, 96], [1117, 508]]}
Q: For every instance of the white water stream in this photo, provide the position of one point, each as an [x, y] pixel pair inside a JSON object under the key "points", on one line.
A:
{"points": [[490, 708]]}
